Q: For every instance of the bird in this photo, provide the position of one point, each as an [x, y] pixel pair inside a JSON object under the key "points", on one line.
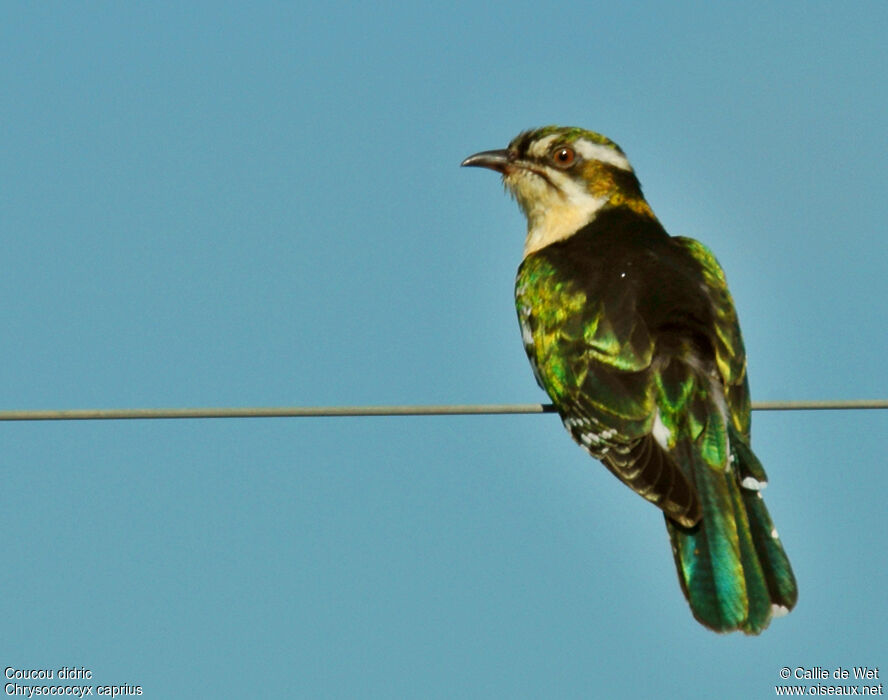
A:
{"points": [[634, 335]]}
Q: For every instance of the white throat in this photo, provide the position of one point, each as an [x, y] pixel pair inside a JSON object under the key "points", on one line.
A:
{"points": [[554, 214]]}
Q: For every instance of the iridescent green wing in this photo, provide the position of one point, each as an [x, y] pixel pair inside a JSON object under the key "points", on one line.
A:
{"points": [[593, 354], [587, 352], [730, 354]]}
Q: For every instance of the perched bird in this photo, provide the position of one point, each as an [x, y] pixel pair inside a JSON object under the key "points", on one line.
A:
{"points": [[633, 334]]}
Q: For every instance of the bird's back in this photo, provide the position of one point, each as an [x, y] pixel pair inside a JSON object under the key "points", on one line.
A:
{"points": [[634, 336]]}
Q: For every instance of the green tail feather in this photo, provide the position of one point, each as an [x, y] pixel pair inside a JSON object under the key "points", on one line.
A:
{"points": [[778, 572], [731, 566]]}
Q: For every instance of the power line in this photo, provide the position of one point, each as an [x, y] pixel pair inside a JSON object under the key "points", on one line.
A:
{"points": [[838, 405], [343, 411]]}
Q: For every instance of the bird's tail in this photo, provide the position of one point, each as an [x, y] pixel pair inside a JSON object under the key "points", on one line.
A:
{"points": [[731, 564]]}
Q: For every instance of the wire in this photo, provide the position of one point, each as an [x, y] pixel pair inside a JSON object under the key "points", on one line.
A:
{"points": [[838, 405], [342, 411]]}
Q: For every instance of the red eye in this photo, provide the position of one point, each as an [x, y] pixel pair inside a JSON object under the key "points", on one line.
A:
{"points": [[564, 156]]}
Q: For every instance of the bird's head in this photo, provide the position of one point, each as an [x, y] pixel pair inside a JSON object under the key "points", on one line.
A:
{"points": [[562, 177]]}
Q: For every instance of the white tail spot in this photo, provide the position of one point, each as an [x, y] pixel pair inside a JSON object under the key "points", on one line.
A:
{"points": [[753, 484], [779, 610]]}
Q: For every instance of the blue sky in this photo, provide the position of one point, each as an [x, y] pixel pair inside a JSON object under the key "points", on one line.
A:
{"points": [[215, 204]]}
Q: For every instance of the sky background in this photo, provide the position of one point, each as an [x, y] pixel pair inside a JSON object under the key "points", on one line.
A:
{"points": [[221, 204]]}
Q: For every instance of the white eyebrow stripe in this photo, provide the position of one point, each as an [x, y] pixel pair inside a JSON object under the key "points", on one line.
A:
{"points": [[602, 153], [541, 147]]}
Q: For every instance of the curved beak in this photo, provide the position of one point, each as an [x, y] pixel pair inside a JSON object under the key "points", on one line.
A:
{"points": [[495, 160]]}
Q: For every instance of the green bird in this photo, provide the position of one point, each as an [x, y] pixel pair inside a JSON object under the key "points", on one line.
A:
{"points": [[633, 334]]}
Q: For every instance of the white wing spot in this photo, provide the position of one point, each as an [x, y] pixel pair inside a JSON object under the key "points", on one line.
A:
{"points": [[589, 439], [526, 334], [774, 534], [660, 432]]}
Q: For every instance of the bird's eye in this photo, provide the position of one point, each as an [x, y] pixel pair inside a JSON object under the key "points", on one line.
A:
{"points": [[564, 156]]}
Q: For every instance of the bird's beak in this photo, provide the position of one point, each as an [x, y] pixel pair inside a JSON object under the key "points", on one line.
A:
{"points": [[495, 160]]}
